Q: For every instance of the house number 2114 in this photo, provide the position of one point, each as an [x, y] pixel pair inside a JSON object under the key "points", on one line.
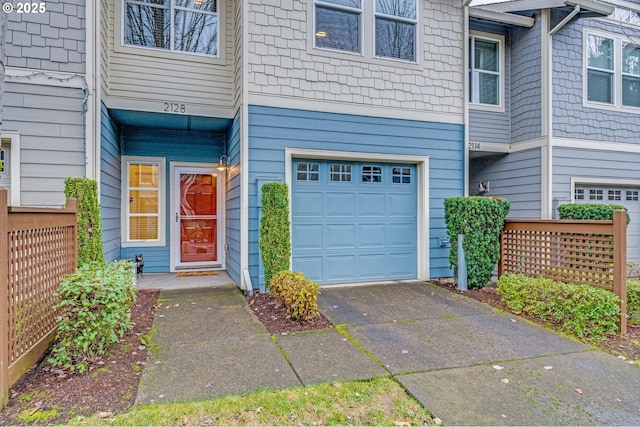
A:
{"points": [[171, 107]]}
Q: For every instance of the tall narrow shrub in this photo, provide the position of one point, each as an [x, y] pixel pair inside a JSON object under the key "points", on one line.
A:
{"points": [[275, 237], [480, 219], [89, 223]]}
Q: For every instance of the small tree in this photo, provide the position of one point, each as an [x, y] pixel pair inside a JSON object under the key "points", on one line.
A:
{"points": [[275, 237], [89, 223], [481, 220]]}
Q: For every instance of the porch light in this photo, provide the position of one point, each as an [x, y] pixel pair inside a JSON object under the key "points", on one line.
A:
{"points": [[222, 165]]}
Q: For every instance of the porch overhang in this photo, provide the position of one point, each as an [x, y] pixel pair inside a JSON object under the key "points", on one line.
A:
{"points": [[182, 122]]}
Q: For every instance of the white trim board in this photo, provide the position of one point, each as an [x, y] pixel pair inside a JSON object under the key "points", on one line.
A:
{"points": [[14, 194], [585, 144], [422, 166], [354, 109]]}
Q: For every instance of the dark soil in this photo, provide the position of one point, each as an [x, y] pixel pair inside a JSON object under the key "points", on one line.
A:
{"points": [[275, 317], [627, 346], [48, 395]]}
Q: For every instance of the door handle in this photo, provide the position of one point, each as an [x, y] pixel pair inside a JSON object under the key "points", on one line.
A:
{"points": [[176, 216]]}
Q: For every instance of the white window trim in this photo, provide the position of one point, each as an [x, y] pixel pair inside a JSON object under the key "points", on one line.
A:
{"points": [[367, 36], [162, 190], [345, 9], [500, 108], [173, 55], [617, 73], [416, 34], [14, 160]]}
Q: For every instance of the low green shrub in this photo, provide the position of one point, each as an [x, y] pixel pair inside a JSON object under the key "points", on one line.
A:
{"points": [[298, 293], [584, 311], [633, 302], [587, 211], [94, 307]]}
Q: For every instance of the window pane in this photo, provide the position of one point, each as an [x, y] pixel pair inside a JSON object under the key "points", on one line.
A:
{"points": [[630, 59], [147, 26], [196, 32], [395, 39], [206, 5], [600, 86], [600, 51], [402, 8], [337, 29], [143, 228], [487, 55], [488, 93], [631, 91], [143, 201], [143, 175]]}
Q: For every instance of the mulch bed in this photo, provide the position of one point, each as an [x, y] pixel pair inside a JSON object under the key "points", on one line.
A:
{"points": [[110, 385], [627, 345], [275, 316]]}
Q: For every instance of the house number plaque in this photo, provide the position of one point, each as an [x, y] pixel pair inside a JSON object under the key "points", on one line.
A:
{"points": [[171, 107]]}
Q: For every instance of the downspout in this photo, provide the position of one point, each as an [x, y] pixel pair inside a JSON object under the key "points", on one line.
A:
{"points": [[465, 84], [547, 205], [92, 153], [245, 277]]}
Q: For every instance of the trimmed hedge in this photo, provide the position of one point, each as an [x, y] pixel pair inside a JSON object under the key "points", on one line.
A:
{"points": [[594, 211], [95, 311], [275, 237], [584, 311], [633, 302], [89, 223], [298, 293], [481, 220]]}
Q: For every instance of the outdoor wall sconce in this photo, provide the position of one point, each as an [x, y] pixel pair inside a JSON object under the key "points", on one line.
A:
{"points": [[223, 163]]}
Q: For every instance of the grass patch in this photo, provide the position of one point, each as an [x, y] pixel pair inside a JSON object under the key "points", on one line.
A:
{"points": [[37, 416], [380, 401]]}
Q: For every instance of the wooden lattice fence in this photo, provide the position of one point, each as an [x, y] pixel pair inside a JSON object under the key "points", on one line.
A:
{"points": [[38, 247], [572, 251]]}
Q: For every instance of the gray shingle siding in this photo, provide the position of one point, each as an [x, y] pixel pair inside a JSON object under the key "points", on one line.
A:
{"points": [[570, 118], [53, 40], [526, 85]]}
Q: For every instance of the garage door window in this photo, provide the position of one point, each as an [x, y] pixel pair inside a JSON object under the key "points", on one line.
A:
{"points": [[401, 175], [579, 194], [632, 195], [371, 174], [340, 173], [595, 194], [307, 172], [614, 195]]}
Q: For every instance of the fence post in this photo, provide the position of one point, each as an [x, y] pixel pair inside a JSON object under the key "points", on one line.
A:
{"points": [[4, 298], [501, 260], [620, 264]]}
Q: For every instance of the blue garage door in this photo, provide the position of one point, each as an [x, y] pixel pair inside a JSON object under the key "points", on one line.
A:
{"points": [[354, 221]]}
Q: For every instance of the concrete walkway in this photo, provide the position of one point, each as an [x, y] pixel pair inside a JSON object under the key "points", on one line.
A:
{"points": [[463, 361]]}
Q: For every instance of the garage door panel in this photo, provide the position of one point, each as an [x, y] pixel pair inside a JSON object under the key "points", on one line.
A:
{"points": [[372, 265], [341, 267], [312, 266], [308, 204], [401, 234], [372, 235], [371, 204], [341, 236], [401, 264], [341, 204], [307, 236], [401, 205]]}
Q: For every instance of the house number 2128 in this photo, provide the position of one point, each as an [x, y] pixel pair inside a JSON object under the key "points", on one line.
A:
{"points": [[170, 107]]}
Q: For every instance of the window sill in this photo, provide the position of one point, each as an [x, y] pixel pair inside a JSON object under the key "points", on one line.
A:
{"points": [[611, 107], [490, 108], [150, 52]]}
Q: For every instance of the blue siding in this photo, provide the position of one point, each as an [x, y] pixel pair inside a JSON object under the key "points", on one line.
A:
{"points": [[110, 190], [515, 177], [271, 130], [173, 145], [233, 201], [570, 118]]}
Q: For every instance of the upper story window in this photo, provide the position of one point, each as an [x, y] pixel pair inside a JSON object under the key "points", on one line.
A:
{"points": [[485, 74], [343, 25], [396, 29], [173, 25], [613, 71], [626, 16], [338, 24]]}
